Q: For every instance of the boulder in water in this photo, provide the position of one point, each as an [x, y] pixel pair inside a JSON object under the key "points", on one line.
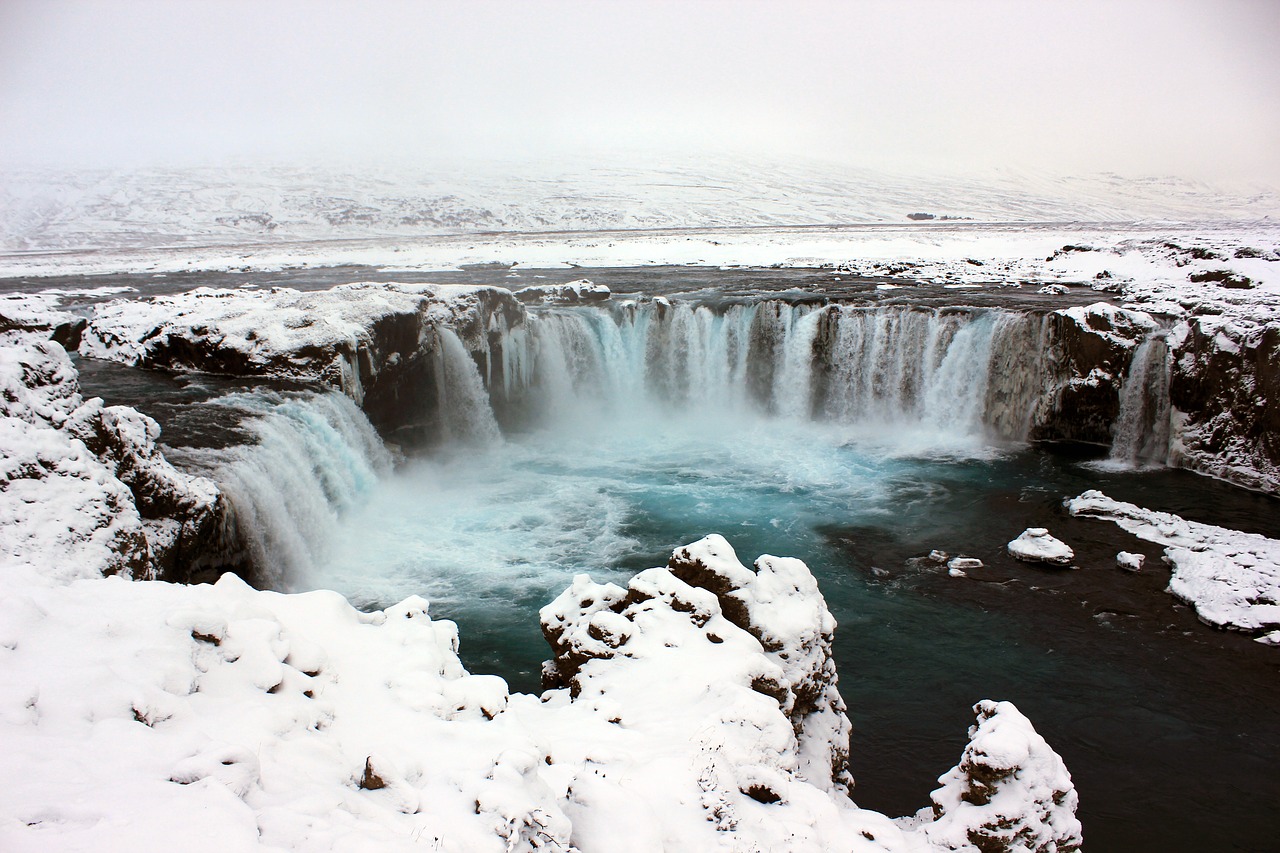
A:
{"points": [[1035, 545], [1130, 562], [1010, 791]]}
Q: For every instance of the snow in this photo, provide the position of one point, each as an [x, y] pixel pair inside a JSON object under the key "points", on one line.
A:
{"points": [[697, 708], [1130, 562], [51, 210], [1231, 578], [1010, 790], [1035, 545], [85, 490], [135, 714], [571, 293], [280, 332]]}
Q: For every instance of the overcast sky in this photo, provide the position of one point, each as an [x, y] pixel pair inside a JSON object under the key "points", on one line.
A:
{"points": [[1168, 87]]}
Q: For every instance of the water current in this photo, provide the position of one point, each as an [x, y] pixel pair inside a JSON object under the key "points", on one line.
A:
{"points": [[619, 436]]}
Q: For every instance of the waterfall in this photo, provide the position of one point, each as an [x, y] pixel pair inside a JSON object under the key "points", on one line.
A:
{"points": [[1140, 435], [311, 458], [969, 372], [466, 414]]}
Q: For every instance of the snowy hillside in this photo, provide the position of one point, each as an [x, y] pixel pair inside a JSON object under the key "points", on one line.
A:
{"points": [[46, 210]]}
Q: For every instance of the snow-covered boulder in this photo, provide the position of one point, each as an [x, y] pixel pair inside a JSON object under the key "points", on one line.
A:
{"points": [[1036, 545], [582, 291], [1231, 578], [1010, 793], [704, 620], [1130, 562], [126, 486]]}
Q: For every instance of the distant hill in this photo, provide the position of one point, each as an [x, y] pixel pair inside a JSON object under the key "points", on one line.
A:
{"points": [[43, 210]]}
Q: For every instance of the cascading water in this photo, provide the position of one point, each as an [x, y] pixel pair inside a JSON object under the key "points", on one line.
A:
{"points": [[313, 457], [1140, 435], [466, 415], [969, 373]]}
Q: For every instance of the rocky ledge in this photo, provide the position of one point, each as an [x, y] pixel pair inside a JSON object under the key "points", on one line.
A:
{"points": [[86, 491], [380, 344]]}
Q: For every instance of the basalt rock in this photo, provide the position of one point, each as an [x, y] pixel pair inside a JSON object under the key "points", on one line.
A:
{"points": [[1226, 384], [377, 343], [1092, 349]]}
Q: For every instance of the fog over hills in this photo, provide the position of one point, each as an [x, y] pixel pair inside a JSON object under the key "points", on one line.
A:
{"points": [[75, 209]]}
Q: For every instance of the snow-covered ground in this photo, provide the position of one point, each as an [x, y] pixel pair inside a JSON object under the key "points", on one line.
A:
{"points": [[147, 208], [695, 709]]}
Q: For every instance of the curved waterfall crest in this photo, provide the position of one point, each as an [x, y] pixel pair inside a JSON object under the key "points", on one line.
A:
{"points": [[979, 372]]}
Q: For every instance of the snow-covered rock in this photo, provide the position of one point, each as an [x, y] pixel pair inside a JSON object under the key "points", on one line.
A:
{"points": [[380, 344], [704, 620], [1130, 562], [137, 713], [1226, 388], [1231, 578], [37, 316], [1010, 792], [1036, 545], [573, 293], [86, 485]]}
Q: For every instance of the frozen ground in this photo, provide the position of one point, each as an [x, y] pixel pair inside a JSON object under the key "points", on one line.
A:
{"points": [[66, 210], [132, 713]]}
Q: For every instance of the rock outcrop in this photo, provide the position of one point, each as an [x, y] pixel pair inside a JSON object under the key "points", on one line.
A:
{"points": [[705, 616], [1010, 793], [1092, 349], [1225, 384], [88, 479], [580, 292], [377, 343]]}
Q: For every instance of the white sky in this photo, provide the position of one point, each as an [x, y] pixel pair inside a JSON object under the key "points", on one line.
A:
{"points": [[1169, 87]]}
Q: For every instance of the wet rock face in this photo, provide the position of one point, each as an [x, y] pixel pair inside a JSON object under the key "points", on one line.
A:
{"points": [[377, 343], [1092, 349], [1226, 383]]}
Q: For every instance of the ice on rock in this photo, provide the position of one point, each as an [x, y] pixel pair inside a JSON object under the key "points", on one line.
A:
{"points": [[963, 564], [1035, 545], [1010, 792]]}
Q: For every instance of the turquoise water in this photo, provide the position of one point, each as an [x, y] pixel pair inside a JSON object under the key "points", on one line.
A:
{"points": [[1171, 729]]}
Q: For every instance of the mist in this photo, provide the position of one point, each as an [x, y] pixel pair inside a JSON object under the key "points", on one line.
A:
{"points": [[1140, 88]]}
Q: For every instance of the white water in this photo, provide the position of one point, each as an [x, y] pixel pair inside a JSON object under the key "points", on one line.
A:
{"points": [[621, 420], [314, 458], [1140, 435], [933, 380]]}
